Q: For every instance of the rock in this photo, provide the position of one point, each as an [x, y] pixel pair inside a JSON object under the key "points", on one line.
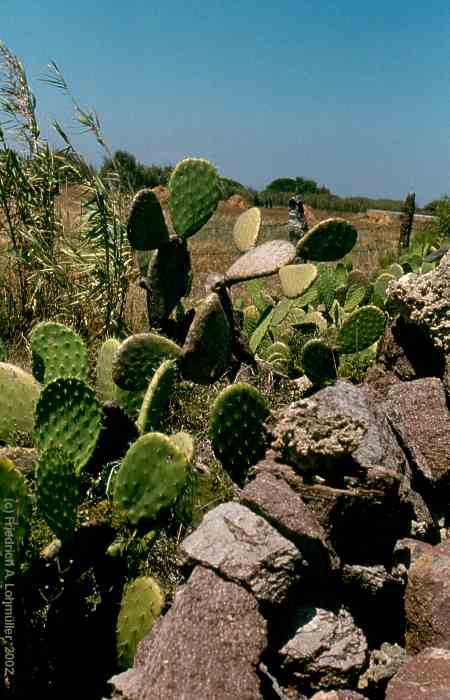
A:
{"points": [[383, 665], [327, 652], [406, 552], [418, 413], [207, 646], [426, 676], [378, 381], [446, 377], [24, 458], [337, 695], [244, 548], [427, 600], [274, 500], [409, 352], [424, 299]]}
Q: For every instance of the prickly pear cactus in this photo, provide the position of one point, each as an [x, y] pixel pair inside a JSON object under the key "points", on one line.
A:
{"points": [[106, 388], [57, 492], [319, 362], [146, 225], [157, 397], [16, 509], [138, 357], [167, 280], [246, 229], [69, 414], [142, 603], [152, 476], [380, 286], [19, 392], [327, 241], [297, 279], [361, 329], [194, 193], [265, 259], [236, 429], [57, 351], [185, 443], [261, 329]]}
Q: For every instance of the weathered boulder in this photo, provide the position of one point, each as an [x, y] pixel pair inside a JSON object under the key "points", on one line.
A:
{"points": [[427, 600], [384, 663], [327, 652], [244, 548], [418, 413], [409, 352], [425, 300], [207, 646], [426, 675], [378, 381], [337, 695]]}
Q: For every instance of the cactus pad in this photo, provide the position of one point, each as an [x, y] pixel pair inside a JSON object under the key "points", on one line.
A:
{"points": [[318, 361], [16, 507], [185, 443], [236, 428], [246, 229], [106, 388], [157, 397], [296, 279], [265, 259], [57, 351], [396, 270], [142, 603], [361, 329], [146, 226], [194, 193], [167, 280], [19, 392], [153, 474], [69, 414], [327, 241], [261, 329], [57, 492], [379, 288], [138, 358], [207, 348]]}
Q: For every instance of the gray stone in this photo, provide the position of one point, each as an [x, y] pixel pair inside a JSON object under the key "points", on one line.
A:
{"points": [[207, 646], [328, 651], [337, 695], [418, 413], [244, 548], [274, 500], [24, 458], [425, 300], [384, 663], [426, 676]]}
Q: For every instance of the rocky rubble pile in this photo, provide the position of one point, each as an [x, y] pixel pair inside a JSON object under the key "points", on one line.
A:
{"points": [[327, 578]]}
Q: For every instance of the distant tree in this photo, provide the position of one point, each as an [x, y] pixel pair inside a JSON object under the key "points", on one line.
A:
{"points": [[129, 174], [297, 185]]}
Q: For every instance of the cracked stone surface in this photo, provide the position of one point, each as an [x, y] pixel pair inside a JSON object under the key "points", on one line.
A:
{"points": [[426, 676], [244, 548]]}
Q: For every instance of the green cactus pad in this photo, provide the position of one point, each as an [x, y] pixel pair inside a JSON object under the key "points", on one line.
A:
{"points": [[362, 328], [146, 226], [327, 241], [261, 329], [340, 272], [246, 229], [106, 388], [297, 279], [379, 288], [2, 351], [57, 351], [19, 392], [194, 193], [355, 296], [236, 429], [152, 476], [157, 397], [57, 492], [265, 259], [281, 311], [207, 348], [251, 320], [167, 280], [138, 358], [69, 414], [326, 285], [308, 298], [142, 603], [314, 318], [318, 362], [16, 510], [279, 356], [396, 270]]}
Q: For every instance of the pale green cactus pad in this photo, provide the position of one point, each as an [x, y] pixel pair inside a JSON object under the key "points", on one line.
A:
{"points": [[138, 358], [57, 351], [152, 476], [355, 295], [68, 413], [380, 286], [297, 279], [16, 507], [326, 285], [308, 298], [236, 428], [19, 392], [281, 311], [207, 348], [396, 270], [142, 603], [265, 259], [106, 388], [246, 229], [157, 397], [318, 362], [57, 492], [146, 225], [327, 241], [185, 443], [362, 328], [341, 273], [194, 193], [279, 356]]}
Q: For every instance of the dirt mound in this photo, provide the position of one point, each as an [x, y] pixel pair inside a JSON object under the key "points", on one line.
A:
{"points": [[380, 219]]}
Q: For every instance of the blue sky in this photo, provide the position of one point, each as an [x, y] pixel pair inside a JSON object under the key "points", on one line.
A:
{"points": [[354, 96]]}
